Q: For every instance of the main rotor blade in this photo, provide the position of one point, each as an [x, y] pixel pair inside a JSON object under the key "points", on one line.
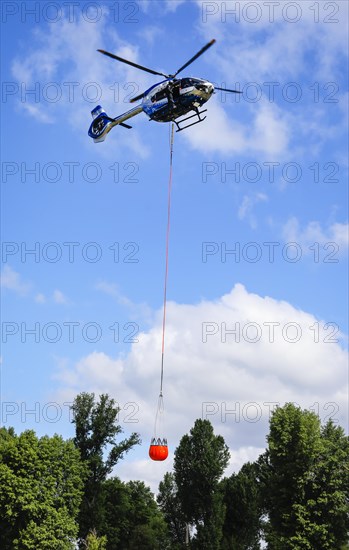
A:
{"points": [[140, 96], [195, 56], [227, 90], [113, 56]]}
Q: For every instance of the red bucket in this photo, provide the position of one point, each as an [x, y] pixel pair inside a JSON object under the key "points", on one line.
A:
{"points": [[158, 449]]}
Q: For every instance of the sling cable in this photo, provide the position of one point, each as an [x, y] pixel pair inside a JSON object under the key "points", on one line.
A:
{"points": [[158, 449]]}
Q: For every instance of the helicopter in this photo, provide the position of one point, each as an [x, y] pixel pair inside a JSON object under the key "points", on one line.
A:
{"points": [[167, 101]]}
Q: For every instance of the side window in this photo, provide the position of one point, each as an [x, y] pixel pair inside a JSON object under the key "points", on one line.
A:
{"points": [[159, 95]]}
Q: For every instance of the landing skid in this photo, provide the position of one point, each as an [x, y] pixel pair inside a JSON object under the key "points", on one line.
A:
{"points": [[196, 114]]}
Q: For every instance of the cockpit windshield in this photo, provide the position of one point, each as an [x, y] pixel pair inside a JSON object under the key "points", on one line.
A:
{"points": [[187, 82]]}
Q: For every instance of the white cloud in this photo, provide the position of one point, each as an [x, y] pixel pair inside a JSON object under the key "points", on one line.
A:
{"points": [[229, 360], [38, 113], [160, 6], [112, 289], [241, 456], [173, 5], [152, 33], [268, 131], [271, 133], [40, 298], [313, 232], [247, 206], [12, 280], [138, 311], [269, 44], [59, 297]]}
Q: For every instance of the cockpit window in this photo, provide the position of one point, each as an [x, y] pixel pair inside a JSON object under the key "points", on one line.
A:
{"points": [[160, 95], [164, 93], [187, 82]]}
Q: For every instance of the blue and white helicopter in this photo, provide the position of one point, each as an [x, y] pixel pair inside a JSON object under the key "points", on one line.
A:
{"points": [[167, 101]]}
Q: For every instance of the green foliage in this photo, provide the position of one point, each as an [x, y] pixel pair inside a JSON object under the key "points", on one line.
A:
{"points": [[132, 519], [200, 460], [242, 500], [93, 542], [171, 508], [307, 489], [327, 490], [296, 494], [209, 531], [41, 484], [97, 428]]}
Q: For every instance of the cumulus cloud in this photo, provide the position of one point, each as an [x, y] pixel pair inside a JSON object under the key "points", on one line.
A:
{"points": [[267, 132], [231, 360]]}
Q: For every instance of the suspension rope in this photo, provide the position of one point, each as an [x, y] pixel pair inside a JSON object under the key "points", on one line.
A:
{"points": [[166, 268]]}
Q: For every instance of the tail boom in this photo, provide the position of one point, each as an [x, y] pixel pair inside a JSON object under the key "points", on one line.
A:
{"points": [[102, 123]]}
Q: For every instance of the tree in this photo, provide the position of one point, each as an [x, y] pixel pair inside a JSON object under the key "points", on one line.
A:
{"points": [[294, 444], [116, 512], [96, 429], [171, 508], [132, 519], [328, 490], [41, 483], [200, 460], [307, 491], [241, 497], [148, 529]]}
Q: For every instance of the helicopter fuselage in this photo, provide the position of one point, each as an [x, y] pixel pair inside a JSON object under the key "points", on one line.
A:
{"points": [[172, 99], [166, 101]]}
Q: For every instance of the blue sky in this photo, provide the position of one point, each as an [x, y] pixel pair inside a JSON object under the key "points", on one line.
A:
{"points": [[259, 228]]}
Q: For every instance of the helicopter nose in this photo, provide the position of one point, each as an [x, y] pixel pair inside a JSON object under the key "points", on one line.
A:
{"points": [[209, 88], [206, 87]]}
